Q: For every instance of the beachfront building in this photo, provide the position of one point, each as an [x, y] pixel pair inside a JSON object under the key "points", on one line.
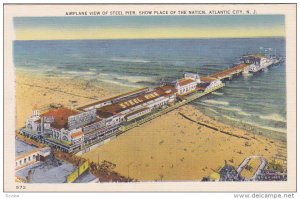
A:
{"points": [[115, 99], [185, 86], [210, 82], [193, 76], [73, 130], [32, 126], [125, 108], [32, 157], [137, 105], [60, 128], [256, 62], [253, 59]]}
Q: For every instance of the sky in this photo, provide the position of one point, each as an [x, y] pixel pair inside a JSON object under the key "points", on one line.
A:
{"points": [[148, 27]]}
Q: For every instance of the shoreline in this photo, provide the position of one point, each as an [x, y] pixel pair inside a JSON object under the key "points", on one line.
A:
{"points": [[169, 145], [180, 149], [282, 136]]}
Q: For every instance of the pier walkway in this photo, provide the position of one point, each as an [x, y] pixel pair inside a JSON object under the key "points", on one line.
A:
{"points": [[228, 73], [166, 110]]}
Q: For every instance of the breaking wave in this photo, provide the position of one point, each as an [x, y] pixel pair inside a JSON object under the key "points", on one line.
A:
{"points": [[228, 108], [218, 102], [133, 60], [273, 117], [281, 130]]}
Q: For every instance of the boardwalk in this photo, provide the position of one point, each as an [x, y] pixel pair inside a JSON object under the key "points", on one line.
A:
{"points": [[229, 72]]}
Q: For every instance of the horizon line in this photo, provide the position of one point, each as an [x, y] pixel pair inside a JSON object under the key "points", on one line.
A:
{"points": [[152, 38]]}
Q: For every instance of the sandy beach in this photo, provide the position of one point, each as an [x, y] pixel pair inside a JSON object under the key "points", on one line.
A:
{"points": [[170, 147], [174, 148], [42, 90]]}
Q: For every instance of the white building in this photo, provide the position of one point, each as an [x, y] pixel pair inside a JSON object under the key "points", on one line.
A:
{"points": [[211, 82], [60, 127], [31, 157], [214, 84], [192, 76], [186, 85], [137, 106]]}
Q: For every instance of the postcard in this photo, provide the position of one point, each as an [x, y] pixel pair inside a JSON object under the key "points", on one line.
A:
{"points": [[149, 97]]}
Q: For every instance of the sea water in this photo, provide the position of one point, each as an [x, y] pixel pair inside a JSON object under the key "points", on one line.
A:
{"points": [[256, 103]]}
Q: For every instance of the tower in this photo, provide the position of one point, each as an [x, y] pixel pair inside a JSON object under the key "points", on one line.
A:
{"points": [[35, 111]]}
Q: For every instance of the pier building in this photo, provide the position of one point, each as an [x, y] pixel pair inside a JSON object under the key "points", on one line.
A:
{"points": [[185, 86]]}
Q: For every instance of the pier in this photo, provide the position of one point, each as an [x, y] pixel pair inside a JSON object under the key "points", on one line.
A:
{"points": [[229, 73], [226, 74], [168, 109], [80, 129]]}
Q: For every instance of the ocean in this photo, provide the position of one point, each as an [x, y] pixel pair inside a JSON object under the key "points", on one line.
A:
{"points": [[256, 103]]}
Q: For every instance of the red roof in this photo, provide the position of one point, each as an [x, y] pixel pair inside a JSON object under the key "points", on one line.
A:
{"points": [[183, 82], [112, 98], [208, 79], [230, 70], [113, 109], [76, 134], [60, 116]]}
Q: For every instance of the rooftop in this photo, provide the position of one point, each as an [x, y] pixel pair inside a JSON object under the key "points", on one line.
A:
{"points": [[27, 153], [183, 82], [77, 134], [229, 71], [22, 147], [207, 79], [60, 116], [258, 55], [137, 111], [51, 171], [112, 98], [113, 109], [86, 177]]}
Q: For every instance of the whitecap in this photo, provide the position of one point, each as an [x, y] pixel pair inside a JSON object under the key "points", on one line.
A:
{"points": [[281, 130], [132, 60], [218, 102], [227, 108], [135, 79], [217, 93], [120, 83], [274, 117]]}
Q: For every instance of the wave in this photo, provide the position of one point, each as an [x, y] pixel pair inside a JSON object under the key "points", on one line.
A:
{"points": [[131, 60], [237, 110], [281, 130], [120, 83], [212, 110], [78, 73], [217, 93], [273, 117], [134, 79], [270, 117], [218, 102], [229, 108]]}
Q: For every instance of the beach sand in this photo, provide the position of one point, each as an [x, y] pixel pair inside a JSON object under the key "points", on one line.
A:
{"points": [[40, 90], [170, 147], [173, 148]]}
